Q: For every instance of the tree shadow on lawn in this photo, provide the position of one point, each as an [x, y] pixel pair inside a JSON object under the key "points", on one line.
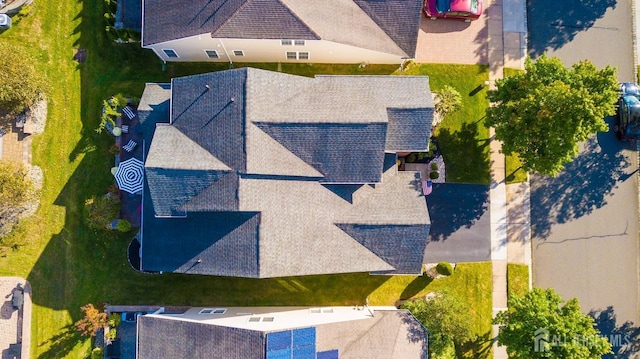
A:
{"points": [[466, 156], [624, 339], [61, 343], [479, 348], [582, 186]]}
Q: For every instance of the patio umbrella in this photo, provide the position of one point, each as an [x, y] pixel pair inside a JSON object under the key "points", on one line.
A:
{"points": [[130, 175]]}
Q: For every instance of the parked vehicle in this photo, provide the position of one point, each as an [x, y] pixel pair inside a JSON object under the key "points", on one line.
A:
{"points": [[466, 10], [627, 121]]}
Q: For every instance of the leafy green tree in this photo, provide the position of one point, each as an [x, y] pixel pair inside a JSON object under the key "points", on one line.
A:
{"points": [[16, 190], [20, 83], [544, 112], [446, 320], [540, 325]]}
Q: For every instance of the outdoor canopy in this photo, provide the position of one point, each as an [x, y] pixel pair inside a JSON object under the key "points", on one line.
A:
{"points": [[130, 175]]}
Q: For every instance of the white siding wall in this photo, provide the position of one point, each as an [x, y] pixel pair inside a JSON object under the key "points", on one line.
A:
{"points": [[320, 51]]}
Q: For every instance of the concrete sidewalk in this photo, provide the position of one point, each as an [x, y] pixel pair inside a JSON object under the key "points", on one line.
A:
{"points": [[509, 204], [15, 325]]}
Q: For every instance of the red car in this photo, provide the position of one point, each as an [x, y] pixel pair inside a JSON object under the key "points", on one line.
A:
{"points": [[466, 10]]}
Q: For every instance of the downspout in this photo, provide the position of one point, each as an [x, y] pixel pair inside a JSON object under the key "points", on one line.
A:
{"points": [[226, 54]]}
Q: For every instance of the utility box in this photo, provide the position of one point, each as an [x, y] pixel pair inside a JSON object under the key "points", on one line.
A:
{"points": [[5, 22]]}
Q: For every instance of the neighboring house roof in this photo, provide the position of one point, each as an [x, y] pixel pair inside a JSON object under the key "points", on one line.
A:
{"points": [[345, 332], [389, 26], [257, 175]]}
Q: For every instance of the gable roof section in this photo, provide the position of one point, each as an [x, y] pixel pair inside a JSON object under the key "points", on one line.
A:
{"points": [[264, 19], [224, 243], [213, 116], [397, 19], [165, 20], [167, 338], [389, 334], [389, 26], [409, 129], [343, 153]]}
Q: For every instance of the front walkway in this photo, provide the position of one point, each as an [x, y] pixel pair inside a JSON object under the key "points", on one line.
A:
{"points": [[510, 233], [15, 325]]}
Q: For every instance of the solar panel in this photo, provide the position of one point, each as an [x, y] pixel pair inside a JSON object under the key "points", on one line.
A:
{"points": [[279, 354], [304, 352], [279, 340], [329, 354], [304, 336]]}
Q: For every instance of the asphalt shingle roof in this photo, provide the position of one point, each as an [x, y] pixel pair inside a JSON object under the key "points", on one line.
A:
{"points": [[129, 14], [328, 197], [167, 338], [389, 26]]}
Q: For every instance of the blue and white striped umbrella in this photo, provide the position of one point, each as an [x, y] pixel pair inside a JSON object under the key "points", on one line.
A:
{"points": [[130, 175]]}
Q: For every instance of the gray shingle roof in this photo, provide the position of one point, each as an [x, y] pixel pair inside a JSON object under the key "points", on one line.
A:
{"points": [[226, 243], [389, 26], [343, 153], [167, 338], [388, 335], [214, 117], [153, 109], [397, 19], [406, 129], [265, 152]]}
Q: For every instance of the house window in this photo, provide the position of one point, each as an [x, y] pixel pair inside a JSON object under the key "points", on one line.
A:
{"points": [[299, 42], [286, 42], [268, 319], [213, 311], [170, 53], [254, 319], [238, 53], [212, 54], [295, 55]]}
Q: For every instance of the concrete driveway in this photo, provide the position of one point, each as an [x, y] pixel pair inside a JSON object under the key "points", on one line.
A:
{"points": [[573, 30], [460, 223], [585, 236], [452, 41]]}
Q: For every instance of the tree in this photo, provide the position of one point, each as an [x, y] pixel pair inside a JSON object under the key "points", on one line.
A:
{"points": [[20, 83], [93, 320], [540, 325], [16, 190], [544, 112], [446, 320]]}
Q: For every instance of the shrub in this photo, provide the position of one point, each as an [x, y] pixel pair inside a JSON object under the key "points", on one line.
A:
{"points": [[449, 100], [434, 175], [97, 353], [114, 320], [434, 166], [444, 268], [16, 192], [123, 225], [101, 210], [112, 334]]}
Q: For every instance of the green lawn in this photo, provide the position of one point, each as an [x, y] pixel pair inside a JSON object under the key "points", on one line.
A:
{"points": [[69, 265], [462, 135], [517, 279]]}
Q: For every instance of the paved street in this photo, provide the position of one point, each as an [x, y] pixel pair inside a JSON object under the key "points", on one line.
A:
{"points": [[574, 30], [585, 221]]}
